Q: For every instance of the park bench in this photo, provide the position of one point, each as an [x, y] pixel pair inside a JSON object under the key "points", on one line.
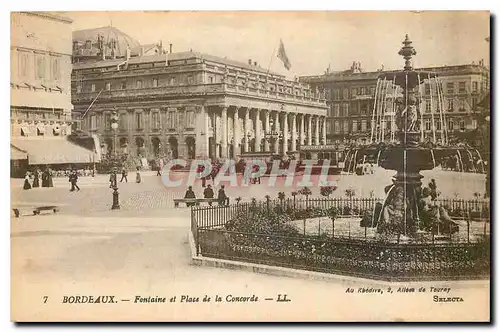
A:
{"points": [[196, 201], [37, 210]]}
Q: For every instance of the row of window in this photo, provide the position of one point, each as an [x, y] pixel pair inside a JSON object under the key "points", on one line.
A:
{"points": [[346, 93], [451, 105], [139, 84], [344, 110], [337, 110], [365, 125], [450, 87], [343, 94], [38, 64], [172, 120]]}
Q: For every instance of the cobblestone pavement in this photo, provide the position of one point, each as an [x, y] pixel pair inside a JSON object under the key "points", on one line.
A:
{"points": [[152, 194]]}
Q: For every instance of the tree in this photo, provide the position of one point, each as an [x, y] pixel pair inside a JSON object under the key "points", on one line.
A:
{"points": [[327, 191]]}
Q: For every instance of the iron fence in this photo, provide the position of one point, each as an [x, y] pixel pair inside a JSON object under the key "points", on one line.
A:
{"points": [[354, 257], [335, 251], [217, 215]]}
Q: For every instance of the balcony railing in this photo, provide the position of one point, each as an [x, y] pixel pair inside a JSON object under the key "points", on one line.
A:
{"points": [[200, 89]]}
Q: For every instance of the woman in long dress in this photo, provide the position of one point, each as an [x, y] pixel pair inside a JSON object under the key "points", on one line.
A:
{"points": [[36, 179], [49, 177], [138, 175], [27, 184]]}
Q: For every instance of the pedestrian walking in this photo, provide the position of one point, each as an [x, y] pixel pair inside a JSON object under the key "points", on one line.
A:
{"points": [[73, 179], [138, 175], [124, 175]]}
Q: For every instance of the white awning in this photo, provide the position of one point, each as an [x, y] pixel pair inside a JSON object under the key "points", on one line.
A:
{"points": [[54, 150], [17, 154]]}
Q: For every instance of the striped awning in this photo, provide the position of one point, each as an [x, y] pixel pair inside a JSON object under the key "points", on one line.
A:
{"points": [[53, 150]]}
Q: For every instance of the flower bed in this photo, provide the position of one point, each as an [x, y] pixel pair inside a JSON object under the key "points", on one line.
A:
{"points": [[354, 257], [269, 237]]}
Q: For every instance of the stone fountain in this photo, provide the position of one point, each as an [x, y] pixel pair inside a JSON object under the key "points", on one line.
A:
{"points": [[400, 216]]}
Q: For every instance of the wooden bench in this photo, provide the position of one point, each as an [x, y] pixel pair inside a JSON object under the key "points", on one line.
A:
{"points": [[36, 210], [195, 201]]}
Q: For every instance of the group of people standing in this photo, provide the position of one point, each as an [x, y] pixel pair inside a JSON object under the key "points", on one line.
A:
{"points": [[32, 179]]}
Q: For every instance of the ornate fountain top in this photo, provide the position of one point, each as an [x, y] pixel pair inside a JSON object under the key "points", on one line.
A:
{"points": [[407, 51]]}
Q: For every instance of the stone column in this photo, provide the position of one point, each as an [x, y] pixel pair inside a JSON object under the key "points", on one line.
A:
{"points": [[309, 130], [324, 129], [316, 132], [216, 133], [224, 132], [294, 132], [258, 136], [285, 133], [202, 124], [236, 133], [245, 128], [276, 129], [302, 129], [266, 119]]}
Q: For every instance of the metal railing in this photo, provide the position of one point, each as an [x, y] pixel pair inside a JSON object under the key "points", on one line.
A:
{"points": [[386, 261], [322, 248]]}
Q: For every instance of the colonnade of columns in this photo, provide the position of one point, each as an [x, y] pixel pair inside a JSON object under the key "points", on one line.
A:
{"points": [[237, 130]]}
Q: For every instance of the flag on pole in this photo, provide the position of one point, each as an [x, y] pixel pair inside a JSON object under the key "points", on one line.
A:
{"points": [[283, 57]]}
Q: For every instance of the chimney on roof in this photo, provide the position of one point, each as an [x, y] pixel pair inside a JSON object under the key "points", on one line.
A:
{"points": [[249, 62], [141, 51], [170, 47], [103, 53], [255, 63]]}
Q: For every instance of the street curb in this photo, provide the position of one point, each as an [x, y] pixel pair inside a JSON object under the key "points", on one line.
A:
{"points": [[279, 271]]}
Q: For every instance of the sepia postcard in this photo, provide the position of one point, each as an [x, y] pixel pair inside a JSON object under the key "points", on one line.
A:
{"points": [[205, 166]]}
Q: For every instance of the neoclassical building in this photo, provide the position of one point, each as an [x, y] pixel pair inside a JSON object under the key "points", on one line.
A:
{"points": [[189, 104]]}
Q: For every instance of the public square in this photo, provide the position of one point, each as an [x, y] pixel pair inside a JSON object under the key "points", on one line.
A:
{"points": [[142, 249], [405, 146]]}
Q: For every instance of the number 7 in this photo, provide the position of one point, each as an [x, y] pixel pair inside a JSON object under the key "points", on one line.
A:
{"points": [[45, 299]]}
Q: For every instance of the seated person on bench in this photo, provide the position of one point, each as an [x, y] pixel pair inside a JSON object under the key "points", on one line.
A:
{"points": [[208, 193], [190, 194]]}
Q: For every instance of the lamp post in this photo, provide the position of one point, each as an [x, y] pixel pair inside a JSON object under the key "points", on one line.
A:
{"points": [[114, 126]]}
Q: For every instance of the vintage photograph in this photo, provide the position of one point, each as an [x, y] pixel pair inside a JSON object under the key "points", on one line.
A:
{"points": [[250, 166]]}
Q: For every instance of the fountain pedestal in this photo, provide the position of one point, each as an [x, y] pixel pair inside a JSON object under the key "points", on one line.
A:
{"points": [[400, 212]]}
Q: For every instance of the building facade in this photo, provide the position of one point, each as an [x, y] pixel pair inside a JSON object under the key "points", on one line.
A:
{"points": [[352, 96], [40, 75], [192, 105], [41, 109]]}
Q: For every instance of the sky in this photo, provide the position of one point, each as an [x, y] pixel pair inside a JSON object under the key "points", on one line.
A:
{"points": [[313, 40]]}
